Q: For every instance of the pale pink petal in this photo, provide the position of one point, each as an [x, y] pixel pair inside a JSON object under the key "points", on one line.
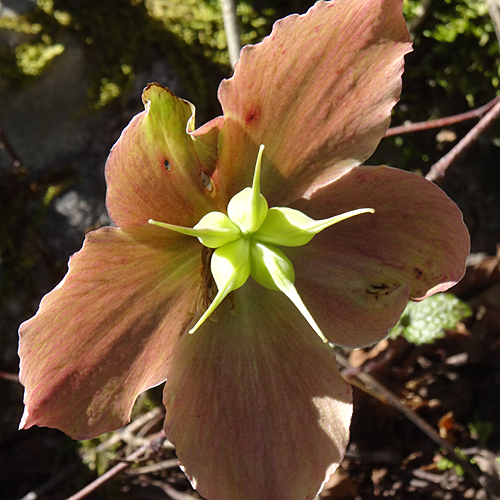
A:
{"points": [[356, 276], [158, 169], [107, 332], [255, 404], [317, 93]]}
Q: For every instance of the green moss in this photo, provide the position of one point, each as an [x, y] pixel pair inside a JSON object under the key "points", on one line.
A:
{"points": [[95, 458], [463, 55], [31, 59], [481, 430], [201, 23], [121, 37], [19, 64]]}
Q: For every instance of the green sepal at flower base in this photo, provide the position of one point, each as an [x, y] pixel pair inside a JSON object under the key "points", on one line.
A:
{"points": [[291, 228], [214, 230]]}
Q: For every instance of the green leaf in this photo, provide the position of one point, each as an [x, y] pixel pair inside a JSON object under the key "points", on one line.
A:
{"points": [[481, 430], [424, 322]]}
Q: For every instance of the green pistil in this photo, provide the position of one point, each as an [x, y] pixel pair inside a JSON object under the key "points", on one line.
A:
{"points": [[248, 208], [244, 241], [230, 267]]}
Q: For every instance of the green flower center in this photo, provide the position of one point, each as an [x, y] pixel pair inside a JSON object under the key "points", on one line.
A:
{"points": [[245, 241]]}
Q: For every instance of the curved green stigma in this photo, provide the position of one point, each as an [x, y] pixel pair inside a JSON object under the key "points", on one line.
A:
{"points": [[248, 208], [244, 240]]}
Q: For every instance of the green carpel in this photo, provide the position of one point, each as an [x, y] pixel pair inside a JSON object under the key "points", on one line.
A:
{"points": [[245, 241]]}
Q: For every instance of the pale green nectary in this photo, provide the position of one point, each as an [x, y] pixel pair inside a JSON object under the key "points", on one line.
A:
{"points": [[244, 241]]}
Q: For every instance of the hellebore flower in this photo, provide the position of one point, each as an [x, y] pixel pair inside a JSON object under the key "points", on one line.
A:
{"points": [[255, 403]]}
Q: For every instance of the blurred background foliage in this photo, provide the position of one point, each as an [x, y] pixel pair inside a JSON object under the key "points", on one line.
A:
{"points": [[121, 36], [457, 48], [455, 66], [456, 63]]}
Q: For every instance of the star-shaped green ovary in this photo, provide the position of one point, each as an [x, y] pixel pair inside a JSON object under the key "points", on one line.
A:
{"points": [[245, 241]]}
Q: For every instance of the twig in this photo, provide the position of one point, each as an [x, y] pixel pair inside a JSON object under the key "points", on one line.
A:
{"points": [[118, 436], [125, 434], [14, 377], [421, 15], [231, 29], [379, 391], [134, 441], [438, 170], [489, 113], [442, 122], [5, 144], [386, 457], [94, 485], [172, 492], [33, 495], [494, 9], [165, 464], [158, 415]]}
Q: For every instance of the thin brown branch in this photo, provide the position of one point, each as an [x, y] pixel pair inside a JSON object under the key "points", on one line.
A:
{"points": [[122, 435], [126, 434], [172, 492], [94, 485], [442, 122], [53, 481], [438, 170], [376, 389], [147, 469], [5, 144], [14, 377], [149, 424]]}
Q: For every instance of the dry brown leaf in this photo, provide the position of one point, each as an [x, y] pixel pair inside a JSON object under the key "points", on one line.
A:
{"points": [[359, 356], [483, 272], [446, 425], [339, 486]]}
